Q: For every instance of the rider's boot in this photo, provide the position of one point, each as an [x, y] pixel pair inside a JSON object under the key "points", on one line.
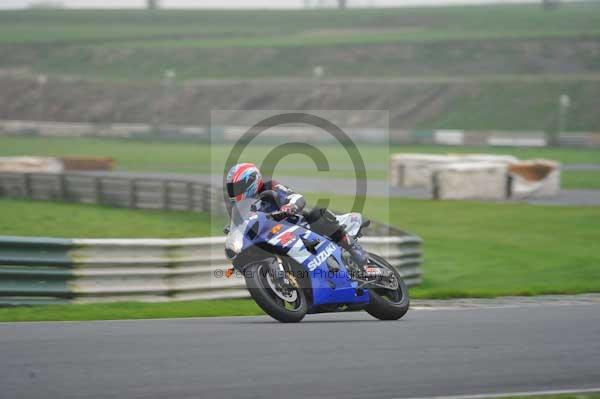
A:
{"points": [[359, 255]]}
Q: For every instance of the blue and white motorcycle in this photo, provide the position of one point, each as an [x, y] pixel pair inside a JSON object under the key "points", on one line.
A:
{"points": [[291, 270]]}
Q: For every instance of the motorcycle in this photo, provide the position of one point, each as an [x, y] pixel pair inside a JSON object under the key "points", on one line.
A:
{"points": [[291, 270]]}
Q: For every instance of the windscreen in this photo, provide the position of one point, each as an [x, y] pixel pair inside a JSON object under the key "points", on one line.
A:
{"points": [[240, 211]]}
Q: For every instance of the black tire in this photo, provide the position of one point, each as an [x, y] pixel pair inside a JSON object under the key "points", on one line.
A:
{"points": [[380, 306], [264, 296]]}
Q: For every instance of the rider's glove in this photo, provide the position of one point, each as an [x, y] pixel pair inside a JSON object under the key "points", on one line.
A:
{"points": [[290, 209]]}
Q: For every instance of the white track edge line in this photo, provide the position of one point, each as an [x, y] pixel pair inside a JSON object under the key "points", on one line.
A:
{"points": [[511, 394]]}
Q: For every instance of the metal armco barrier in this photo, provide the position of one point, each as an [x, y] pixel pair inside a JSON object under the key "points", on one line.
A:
{"points": [[46, 270], [183, 195]]}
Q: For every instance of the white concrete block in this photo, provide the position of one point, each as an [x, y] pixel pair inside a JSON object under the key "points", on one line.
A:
{"points": [[415, 170], [471, 180], [30, 164], [537, 178], [497, 158]]}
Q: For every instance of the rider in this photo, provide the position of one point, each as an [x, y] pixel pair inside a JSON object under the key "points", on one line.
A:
{"points": [[245, 181]]}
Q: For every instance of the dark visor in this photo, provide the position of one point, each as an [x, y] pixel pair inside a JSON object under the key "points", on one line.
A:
{"points": [[235, 189]]}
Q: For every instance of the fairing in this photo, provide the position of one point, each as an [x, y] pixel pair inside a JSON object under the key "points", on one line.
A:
{"points": [[328, 287]]}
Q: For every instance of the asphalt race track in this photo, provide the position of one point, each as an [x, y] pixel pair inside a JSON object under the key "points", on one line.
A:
{"points": [[428, 353]]}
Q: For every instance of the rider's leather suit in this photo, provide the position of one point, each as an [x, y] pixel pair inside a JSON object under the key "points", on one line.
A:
{"points": [[289, 201]]}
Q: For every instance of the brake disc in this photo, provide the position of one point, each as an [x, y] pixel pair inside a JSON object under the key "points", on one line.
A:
{"points": [[288, 296]]}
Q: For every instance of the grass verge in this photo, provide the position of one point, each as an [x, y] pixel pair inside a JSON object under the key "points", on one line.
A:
{"points": [[580, 179], [476, 249], [131, 310], [52, 219]]}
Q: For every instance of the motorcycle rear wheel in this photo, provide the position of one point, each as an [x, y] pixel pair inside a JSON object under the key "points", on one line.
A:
{"points": [[387, 304], [260, 288]]}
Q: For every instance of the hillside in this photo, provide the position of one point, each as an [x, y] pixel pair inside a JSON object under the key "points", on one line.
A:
{"points": [[481, 67], [203, 44], [528, 103]]}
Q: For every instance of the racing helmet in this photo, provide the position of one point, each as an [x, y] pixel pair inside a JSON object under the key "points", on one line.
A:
{"points": [[243, 181]]}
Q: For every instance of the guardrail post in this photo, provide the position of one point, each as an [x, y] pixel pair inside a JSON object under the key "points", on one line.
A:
{"points": [[61, 182], [132, 193], [26, 185], [206, 198], [97, 183], [165, 195], [190, 196]]}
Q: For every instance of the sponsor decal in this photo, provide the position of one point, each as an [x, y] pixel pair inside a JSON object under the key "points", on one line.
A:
{"points": [[321, 257], [276, 229], [286, 238], [277, 239]]}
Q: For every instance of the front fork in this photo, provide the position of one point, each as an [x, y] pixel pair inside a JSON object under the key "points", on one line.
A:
{"points": [[280, 273]]}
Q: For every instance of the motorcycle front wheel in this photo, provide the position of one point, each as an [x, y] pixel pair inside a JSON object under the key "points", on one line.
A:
{"points": [[285, 305], [386, 304]]}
